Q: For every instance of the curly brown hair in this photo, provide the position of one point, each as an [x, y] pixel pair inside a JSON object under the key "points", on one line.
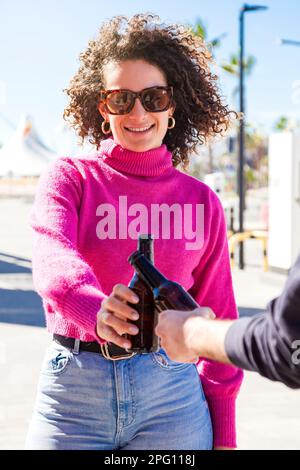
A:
{"points": [[174, 49]]}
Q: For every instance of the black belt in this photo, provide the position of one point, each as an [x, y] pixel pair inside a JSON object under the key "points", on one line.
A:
{"points": [[108, 350]]}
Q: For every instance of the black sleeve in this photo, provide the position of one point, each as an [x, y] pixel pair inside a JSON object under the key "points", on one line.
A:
{"points": [[269, 342]]}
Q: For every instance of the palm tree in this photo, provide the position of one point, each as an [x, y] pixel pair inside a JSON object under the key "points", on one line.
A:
{"points": [[233, 68], [284, 123], [200, 30]]}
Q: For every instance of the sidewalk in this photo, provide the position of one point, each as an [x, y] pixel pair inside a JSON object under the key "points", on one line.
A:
{"points": [[268, 413]]}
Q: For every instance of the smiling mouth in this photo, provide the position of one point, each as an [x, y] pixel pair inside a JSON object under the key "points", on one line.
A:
{"points": [[140, 130]]}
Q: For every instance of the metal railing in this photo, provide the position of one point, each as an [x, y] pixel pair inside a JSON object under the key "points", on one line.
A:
{"points": [[235, 238]]}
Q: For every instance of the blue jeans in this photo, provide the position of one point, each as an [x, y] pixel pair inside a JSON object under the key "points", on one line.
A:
{"points": [[146, 402]]}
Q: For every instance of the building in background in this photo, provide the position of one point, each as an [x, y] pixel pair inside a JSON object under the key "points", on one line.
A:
{"points": [[284, 199], [24, 155]]}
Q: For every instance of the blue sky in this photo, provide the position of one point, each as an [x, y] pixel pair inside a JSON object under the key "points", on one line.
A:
{"points": [[40, 41]]}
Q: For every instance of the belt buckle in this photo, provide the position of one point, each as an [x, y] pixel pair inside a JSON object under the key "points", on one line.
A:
{"points": [[106, 354]]}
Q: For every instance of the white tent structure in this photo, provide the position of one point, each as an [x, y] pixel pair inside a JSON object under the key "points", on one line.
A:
{"points": [[24, 154]]}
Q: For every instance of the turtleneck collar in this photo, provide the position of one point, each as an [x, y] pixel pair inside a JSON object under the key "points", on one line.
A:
{"points": [[153, 162]]}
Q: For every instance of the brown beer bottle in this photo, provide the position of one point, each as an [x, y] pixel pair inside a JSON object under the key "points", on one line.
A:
{"points": [[144, 341], [167, 294]]}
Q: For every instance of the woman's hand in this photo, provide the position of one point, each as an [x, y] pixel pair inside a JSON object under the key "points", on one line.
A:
{"points": [[112, 319]]}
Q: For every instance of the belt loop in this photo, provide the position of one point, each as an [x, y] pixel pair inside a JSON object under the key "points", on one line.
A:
{"points": [[76, 346]]}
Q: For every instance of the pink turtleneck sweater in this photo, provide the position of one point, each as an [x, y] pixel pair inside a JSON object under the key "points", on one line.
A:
{"points": [[87, 214]]}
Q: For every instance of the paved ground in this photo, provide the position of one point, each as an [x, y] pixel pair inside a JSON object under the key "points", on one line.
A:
{"points": [[268, 413]]}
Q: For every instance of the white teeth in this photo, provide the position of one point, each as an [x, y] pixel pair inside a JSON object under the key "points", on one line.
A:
{"points": [[138, 129]]}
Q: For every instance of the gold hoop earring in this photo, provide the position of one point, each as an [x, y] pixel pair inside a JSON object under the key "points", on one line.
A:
{"points": [[172, 124], [104, 128]]}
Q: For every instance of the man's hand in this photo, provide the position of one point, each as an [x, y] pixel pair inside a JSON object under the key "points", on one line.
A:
{"points": [[178, 332]]}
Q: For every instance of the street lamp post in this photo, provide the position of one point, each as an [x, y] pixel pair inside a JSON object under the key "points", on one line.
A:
{"points": [[241, 178], [289, 42]]}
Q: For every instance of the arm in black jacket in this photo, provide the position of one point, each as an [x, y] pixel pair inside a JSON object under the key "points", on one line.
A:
{"points": [[269, 342]]}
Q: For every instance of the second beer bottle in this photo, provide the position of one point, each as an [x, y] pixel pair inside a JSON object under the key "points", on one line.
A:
{"points": [[167, 294], [145, 341]]}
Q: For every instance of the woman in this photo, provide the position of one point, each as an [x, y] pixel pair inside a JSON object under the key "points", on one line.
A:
{"points": [[145, 97]]}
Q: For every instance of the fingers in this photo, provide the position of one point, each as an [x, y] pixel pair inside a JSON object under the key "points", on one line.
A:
{"points": [[119, 308], [112, 336], [117, 324], [124, 293], [112, 321], [206, 312]]}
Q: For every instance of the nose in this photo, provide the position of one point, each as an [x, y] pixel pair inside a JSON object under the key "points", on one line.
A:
{"points": [[138, 110]]}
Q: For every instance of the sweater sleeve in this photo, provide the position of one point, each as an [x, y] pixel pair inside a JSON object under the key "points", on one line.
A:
{"points": [[269, 342], [213, 288], [60, 274]]}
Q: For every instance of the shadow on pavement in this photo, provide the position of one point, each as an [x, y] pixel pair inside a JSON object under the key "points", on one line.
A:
{"points": [[21, 307], [249, 311], [19, 304], [10, 264]]}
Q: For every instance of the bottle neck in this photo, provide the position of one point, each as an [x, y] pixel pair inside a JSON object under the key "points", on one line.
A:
{"points": [[145, 246], [145, 269]]}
